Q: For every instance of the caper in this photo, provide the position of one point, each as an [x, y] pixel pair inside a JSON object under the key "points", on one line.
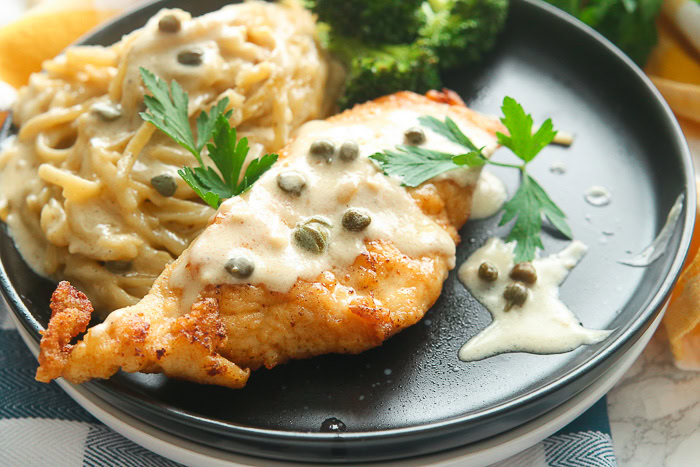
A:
{"points": [[515, 294], [190, 57], [312, 236], [488, 272], [524, 272], [414, 136], [356, 220], [349, 151], [107, 112], [319, 220], [291, 182], [323, 149], [164, 184], [240, 267], [117, 266], [169, 23]]}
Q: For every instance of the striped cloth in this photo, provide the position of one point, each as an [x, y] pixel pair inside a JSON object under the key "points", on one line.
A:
{"points": [[41, 425]]}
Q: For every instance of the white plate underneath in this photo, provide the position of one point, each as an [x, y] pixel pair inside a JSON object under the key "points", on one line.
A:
{"points": [[484, 452]]}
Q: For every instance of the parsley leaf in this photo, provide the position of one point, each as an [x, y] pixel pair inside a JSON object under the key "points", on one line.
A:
{"points": [[530, 202], [470, 159], [448, 129], [168, 114], [206, 122], [521, 140], [168, 111], [415, 165], [528, 205]]}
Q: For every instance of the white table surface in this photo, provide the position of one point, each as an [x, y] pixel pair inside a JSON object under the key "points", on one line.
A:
{"points": [[655, 408]]}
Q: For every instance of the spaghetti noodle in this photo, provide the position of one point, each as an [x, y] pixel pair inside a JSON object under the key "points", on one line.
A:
{"points": [[76, 181]]}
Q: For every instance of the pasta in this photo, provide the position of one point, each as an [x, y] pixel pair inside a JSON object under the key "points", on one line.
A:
{"points": [[76, 181]]}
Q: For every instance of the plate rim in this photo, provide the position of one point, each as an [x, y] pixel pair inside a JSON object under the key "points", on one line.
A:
{"points": [[644, 315], [534, 430]]}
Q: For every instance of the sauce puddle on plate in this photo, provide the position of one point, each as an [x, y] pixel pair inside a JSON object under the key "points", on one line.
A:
{"points": [[543, 324]]}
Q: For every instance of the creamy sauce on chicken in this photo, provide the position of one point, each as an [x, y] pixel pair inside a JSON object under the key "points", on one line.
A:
{"points": [[260, 224], [489, 196], [77, 184], [543, 324]]}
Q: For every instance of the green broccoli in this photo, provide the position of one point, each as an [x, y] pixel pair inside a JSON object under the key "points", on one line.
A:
{"points": [[632, 29], [629, 24], [401, 45], [461, 31], [377, 70], [380, 21]]}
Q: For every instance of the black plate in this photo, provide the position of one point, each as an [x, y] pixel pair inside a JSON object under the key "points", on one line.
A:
{"points": [[412, 395]]}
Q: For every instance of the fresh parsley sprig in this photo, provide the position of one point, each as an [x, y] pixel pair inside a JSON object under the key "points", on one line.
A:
{"points": [[530, 202], [414, 165], [167, 109]]}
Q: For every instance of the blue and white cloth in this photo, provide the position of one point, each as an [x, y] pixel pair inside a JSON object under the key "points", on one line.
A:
{"points": [[40, 425]]}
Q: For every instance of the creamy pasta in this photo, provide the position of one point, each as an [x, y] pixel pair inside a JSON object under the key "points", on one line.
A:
{"points": [[76, 184]]}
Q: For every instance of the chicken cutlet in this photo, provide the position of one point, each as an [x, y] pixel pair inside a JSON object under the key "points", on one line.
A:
{"points": [[324, 254]]}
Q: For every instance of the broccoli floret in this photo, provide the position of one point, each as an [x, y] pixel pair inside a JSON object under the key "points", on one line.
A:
{"points": [[632, 30], [461, 31], [377, 70], [380, 21], [391, 45], [629, 25]]}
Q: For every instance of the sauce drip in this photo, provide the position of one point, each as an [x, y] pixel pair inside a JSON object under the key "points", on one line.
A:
{"points": [[598, 196], [489, 196], [658, 246], [260, 223], [543, 324]]}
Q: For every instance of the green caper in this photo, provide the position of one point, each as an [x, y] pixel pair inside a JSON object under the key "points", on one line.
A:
{"points": [[515, 294], [164, 184], [356, 220], [322, 149], [117, 266], [319, 220], [107, 112], [190, 57], [312, 236], [349, 151], [414, 136], [169, 24], [488, 272], [292, 182], [240, 267], [524, 272]]}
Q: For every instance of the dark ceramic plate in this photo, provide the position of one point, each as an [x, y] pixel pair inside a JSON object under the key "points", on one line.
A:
{"points": [[412, 395]]}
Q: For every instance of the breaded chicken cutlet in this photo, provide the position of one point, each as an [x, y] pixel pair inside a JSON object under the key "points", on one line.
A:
{"points": [[324, 254]]}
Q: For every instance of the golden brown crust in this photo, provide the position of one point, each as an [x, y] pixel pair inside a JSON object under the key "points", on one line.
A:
{"points": [[345, 311], [135, 340], [446, 96], [70, 315], [234, 328], [417, 102]]}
